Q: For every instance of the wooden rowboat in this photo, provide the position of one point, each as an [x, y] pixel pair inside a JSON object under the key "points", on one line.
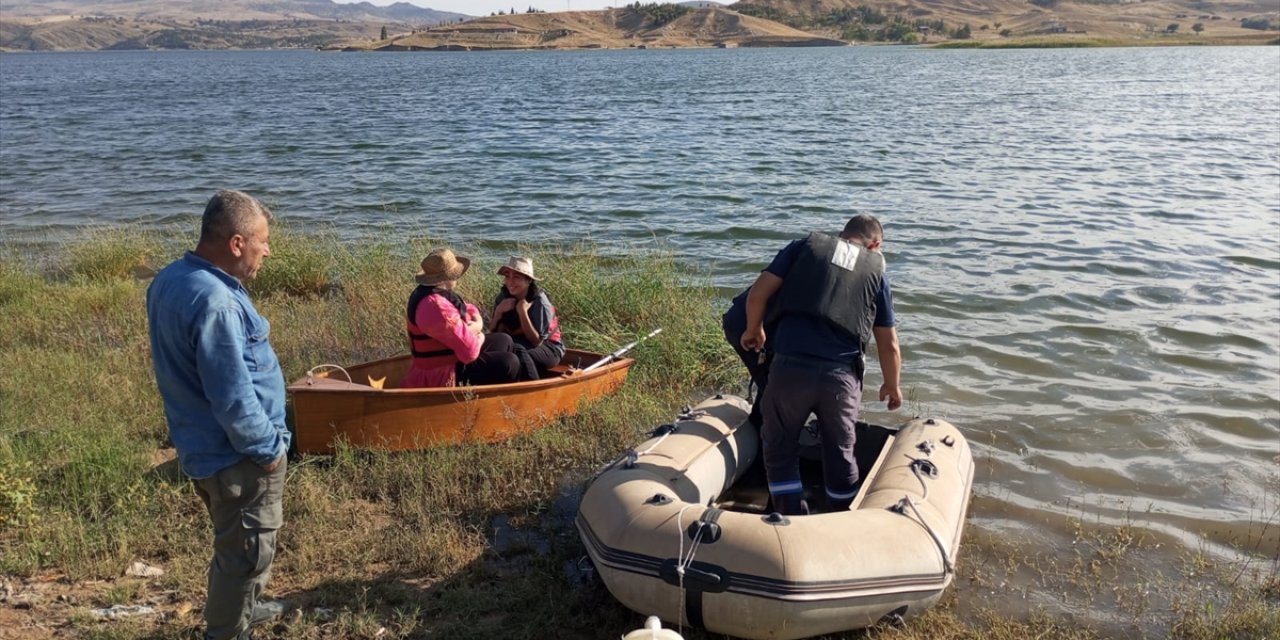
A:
{"points": [[327, 407]]}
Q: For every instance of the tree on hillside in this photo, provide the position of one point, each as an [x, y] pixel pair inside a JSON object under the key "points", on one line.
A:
{"points": [[858, 33], [1197, 27], [768, 13], [1172, 28], [897, 31], [661, 13], [384, 33]]}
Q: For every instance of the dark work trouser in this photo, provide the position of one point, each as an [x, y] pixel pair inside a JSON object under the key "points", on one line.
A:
{"points": [[536, 361], [245, 505], [833, 392], [496, 364]]}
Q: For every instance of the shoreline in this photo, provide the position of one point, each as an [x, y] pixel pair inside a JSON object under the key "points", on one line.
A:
{"points": [[1264, 40]]}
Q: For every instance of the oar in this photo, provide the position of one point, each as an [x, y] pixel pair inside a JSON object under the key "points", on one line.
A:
{"points": [[616, 354]]}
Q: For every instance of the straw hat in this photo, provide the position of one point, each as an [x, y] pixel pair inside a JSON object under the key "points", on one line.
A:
{"points": [[441, 265], [520, 265]]}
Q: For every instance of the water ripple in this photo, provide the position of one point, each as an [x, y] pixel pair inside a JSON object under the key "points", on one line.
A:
{"points": [[1084, 245]]}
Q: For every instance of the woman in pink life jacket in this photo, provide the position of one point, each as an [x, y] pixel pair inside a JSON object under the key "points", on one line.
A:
{"points": [[446, 334], [523, 311]]}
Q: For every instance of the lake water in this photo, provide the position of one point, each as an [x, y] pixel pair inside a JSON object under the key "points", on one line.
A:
{"points": [[1084, 244]]}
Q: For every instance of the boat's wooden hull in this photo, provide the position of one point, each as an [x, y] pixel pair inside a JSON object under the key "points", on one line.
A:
{"points": [[327, 408], [666, 542]]}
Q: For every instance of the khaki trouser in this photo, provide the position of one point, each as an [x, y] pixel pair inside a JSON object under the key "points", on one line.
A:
{"points": [[245, 504]]}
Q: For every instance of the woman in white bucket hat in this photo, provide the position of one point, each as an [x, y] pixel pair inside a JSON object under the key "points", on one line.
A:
{"points": [[523, 310]]}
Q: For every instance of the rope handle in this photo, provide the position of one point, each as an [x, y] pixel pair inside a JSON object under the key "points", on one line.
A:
{"points": [[311, 378], [901, 508]]}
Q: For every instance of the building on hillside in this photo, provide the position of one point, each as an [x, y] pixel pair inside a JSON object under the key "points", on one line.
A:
{"points": [[1060, 27]]}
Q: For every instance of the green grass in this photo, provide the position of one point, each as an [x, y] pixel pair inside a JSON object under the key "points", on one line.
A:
{"points": [[402, 545]]}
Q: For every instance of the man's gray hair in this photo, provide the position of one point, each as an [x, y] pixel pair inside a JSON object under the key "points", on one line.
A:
{"points": [[229, 213]]}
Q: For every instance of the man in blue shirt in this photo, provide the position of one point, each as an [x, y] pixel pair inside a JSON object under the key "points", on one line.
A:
{"points": [[832, 297], [224, 399]]}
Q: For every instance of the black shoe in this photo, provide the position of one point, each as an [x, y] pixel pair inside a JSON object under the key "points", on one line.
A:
{"points": [[792, 504]]}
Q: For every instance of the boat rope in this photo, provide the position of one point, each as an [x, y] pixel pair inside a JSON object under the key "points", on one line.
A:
{"points": [[920, 468], [632, 455], [629, 457], [683, 561], [311, 379], [655, 445], [902, 506]]}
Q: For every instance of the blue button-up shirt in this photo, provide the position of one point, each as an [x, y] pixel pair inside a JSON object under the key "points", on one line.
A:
{"points": [[222, 386]]}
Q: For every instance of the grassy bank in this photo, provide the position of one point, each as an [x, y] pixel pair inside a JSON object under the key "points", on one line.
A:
{"points": [[472, 541]]}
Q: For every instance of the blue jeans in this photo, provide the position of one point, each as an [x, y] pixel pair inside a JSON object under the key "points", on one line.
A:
{"points": [[798, 387]]}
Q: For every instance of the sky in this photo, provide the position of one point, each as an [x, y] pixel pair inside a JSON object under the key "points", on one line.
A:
{"points": [[485, 7]]}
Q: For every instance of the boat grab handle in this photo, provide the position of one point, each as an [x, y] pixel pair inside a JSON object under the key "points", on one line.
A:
{"points": [[922, 469], [311, 378]]}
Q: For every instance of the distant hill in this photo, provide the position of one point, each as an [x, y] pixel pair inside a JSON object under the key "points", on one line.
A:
{"points": [[201, 24], [38, 25], [230, 10], [860, 20], [610, 28]]}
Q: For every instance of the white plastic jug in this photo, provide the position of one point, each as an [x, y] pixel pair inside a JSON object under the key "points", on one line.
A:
{"points": [[653, 631]]}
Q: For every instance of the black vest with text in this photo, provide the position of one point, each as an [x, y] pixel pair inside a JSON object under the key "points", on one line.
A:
{"points": [[836, 281]]}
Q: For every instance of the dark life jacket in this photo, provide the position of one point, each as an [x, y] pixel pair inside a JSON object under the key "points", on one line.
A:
{"points": [[422, 345], [510, 320], [834, 280]]}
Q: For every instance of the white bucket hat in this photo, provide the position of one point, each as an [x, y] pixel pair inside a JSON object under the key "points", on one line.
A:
{"points": [[520, 265]]}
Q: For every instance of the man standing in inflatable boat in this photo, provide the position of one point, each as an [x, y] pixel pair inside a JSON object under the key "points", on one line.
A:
{"points": [[832, 296]]}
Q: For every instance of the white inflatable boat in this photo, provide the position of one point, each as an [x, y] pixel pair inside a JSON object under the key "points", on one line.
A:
{"points": [[680, 528]]}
